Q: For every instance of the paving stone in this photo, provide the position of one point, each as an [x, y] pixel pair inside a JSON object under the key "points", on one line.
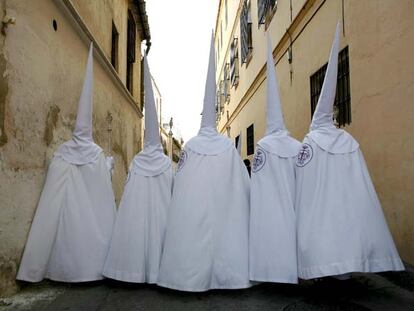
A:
{"points": [[377, 292]]}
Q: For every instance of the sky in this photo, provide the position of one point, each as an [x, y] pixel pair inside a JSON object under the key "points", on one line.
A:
{"points": [[178, 58]]}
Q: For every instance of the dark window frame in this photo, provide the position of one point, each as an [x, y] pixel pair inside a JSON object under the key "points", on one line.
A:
{"points": [[218, 96], [114, 47], [236, 140], [131, 51], [265, 11], [226, 87], [234, 62], [222, 96], [246, 33], [342, 105], [250, 139]]}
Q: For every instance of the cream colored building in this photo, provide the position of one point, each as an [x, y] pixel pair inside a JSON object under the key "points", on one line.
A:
{"points": [[170, 138], [376, 83], [43, 52]]}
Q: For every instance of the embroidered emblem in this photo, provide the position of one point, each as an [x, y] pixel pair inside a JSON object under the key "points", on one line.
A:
{"points": [[305, 155], [259, 160], [181, 162]]}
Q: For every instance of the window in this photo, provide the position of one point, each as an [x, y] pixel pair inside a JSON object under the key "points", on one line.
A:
{"points": [[226, 86], [236, 140], [265, 10], [222, 96], [131, 42], [114, 47], [250, 139], [234, 62], [246, 40], [342, 106], [218, 105]]}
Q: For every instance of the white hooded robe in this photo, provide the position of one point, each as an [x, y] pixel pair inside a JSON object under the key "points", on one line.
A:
{"points": [[206, 243], [72, 226], [272, 245], [137, 240], [340, 224]]}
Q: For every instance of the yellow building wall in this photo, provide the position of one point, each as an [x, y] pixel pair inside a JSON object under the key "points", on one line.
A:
{"points": [[380, 38], [41, 76], [101, 25], [249, 72]]}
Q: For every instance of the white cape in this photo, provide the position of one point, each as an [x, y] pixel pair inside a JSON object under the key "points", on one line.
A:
{"points": [[138, 236], [71, 230], [206, 244], [272, 245], [340, 224]]}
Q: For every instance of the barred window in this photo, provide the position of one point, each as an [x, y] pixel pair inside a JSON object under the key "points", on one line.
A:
{"points": [[250, 139], [246, 42], [265, 10], [131, 42], [342, 106], [219, 105], [226, 86], [221, 98], [234, 62]]}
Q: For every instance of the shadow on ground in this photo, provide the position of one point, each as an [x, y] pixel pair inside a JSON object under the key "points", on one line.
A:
{"points": [[386, 291]]}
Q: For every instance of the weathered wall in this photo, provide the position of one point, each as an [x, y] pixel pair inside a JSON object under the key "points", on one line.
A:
{"points": [[101, 26], [380, 36], [41, 75]]}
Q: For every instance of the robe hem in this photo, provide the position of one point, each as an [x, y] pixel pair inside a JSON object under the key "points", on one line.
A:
{"points": [[204, 289], [363, 266], [64, 280], [130, 277], [274, 280]]}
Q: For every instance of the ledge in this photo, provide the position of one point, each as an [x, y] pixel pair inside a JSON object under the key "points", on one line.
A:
{"points": [[80, 27]]}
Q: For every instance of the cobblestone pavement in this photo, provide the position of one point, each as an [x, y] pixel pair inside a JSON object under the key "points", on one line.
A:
{"points": [[387, 291]]}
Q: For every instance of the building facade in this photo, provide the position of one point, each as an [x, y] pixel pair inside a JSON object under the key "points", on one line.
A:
{"points": [[170, 138], [43, 53], [375, 83]]}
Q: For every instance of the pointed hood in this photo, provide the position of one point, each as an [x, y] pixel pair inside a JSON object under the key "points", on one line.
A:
{"points": [[277, 139], [275, 120], [209, 141], [83, 126], [208, 119], [323, 115], [322, 130], [81, 149], [151, 161], [152, 128]]}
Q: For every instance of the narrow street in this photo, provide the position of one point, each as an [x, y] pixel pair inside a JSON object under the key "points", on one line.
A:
{"points": [[386, 291], [203, 145]]}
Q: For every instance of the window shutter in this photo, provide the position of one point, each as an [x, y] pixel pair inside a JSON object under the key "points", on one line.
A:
{"points": [[234, 64], [261, 5], [244, 32], [131, 39]]}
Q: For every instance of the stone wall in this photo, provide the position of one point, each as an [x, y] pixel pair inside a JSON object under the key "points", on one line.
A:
{"points": [[41, 76]]}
